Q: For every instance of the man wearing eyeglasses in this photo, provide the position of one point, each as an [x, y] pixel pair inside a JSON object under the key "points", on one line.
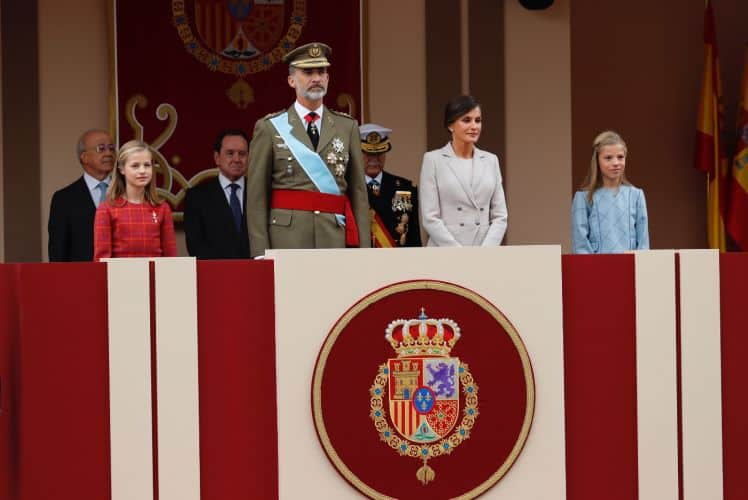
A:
{"points": [[71, 213]]}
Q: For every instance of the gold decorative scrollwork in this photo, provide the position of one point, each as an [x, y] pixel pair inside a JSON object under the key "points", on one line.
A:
{"points": [[164, 112]]}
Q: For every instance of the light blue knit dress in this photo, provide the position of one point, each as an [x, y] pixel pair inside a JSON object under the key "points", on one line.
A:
{"points": [[615, 222]]}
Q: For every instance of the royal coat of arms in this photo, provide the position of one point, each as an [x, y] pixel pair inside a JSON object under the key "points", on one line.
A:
{"points": [[417, 398], [239, 37]]}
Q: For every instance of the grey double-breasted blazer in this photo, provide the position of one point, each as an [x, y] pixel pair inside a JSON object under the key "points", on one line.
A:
{"points": [[454, 213]]}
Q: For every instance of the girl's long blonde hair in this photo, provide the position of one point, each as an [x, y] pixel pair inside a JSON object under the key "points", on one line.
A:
{"points": [[594, 180], [118, 187]]}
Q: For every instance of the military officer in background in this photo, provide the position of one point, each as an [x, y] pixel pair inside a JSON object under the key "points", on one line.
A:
{"points": [[393, 200], [305, 187]]}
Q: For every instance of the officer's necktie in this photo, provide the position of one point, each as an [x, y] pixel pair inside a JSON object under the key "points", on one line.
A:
{"points": [[374, 186], [236, 207], [311, 129], [101, 186]]}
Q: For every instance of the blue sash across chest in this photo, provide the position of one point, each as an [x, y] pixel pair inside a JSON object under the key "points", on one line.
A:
{"points": [[309, 160]]}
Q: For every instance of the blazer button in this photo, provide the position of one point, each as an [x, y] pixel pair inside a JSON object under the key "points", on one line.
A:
{"points": [[462, 223], [481, 209], [477, 223], [459, 208], [316, 212]]}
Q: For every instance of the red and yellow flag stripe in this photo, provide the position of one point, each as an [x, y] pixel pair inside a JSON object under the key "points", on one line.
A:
{"points": [[380, 236], [737, 215], [710, 154]]}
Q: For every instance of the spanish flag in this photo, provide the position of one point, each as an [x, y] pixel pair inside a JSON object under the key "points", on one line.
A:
{"points": [[710, 153], [737, 215]]}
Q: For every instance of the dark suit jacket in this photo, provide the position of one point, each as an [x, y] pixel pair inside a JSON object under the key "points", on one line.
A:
{"points": [[209, 224], [70, 226], [382, 205]]}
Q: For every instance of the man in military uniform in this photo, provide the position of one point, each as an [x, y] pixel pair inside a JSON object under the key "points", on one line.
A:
{"points": [[305, 184], [393, 200]]}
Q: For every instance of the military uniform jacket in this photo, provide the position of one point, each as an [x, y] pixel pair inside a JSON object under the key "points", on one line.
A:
{"points": [[382, 205], [272, 166]]}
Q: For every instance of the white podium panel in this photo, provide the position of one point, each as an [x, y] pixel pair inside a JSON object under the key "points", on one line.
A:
{"points": [[314, 288]]}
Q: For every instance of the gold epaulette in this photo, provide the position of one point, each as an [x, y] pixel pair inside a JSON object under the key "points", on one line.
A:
{"points": [[273, 114], [341, 113]]}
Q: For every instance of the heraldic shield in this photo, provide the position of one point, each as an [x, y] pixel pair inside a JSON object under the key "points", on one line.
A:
{"points": [[423, 391], [395, 393]]}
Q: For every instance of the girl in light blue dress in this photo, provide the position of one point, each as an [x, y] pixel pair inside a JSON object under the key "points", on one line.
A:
{"points": [[608, 214]]}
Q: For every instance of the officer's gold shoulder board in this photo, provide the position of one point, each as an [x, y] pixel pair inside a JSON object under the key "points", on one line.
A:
{"points": [[273, 114], [341, 113]]}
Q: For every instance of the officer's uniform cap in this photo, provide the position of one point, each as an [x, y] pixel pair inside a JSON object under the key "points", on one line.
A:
{"points": [[375, 139], [311, 55]]}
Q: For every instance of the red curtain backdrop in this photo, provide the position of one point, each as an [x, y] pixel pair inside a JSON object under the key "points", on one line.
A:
{"points": [[185, 69]]}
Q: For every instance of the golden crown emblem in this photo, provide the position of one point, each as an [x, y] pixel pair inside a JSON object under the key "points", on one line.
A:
{"points": [[422, 336]]}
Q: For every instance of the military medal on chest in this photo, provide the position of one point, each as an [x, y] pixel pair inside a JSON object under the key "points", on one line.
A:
{"points": [[416, 397], [402, 206], [336, 158]]}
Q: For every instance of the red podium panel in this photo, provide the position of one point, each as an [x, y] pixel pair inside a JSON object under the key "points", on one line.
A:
{"points": [[9, 394], [734, 316], [64, 403], [600, 376], [236, 344]]}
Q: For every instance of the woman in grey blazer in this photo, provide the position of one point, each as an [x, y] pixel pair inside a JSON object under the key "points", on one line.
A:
{"points": [[462, 198]]}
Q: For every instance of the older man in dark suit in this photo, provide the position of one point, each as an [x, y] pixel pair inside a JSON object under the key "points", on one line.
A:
{"points": [[393, 199], [215, 220], [71, 213]]}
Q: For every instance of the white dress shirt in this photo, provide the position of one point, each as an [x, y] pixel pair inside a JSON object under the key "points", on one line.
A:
{"points": [[302, 112]]}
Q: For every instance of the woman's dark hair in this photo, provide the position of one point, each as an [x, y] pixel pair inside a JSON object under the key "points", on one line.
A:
{"points": [[458, 106]]}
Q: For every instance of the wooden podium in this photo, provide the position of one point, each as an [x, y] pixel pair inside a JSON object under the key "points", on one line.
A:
{"points": [[178, 379]]}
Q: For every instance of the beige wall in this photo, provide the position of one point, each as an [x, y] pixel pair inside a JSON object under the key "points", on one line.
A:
{"points": [[538, 124], [396, 46], [73, 88]]}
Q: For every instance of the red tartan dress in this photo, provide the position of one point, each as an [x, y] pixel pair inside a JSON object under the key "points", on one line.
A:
{"points": [[133, 230]]}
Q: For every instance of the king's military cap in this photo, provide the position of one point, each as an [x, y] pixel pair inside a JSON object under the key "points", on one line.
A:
{"points": [[311, 55]]}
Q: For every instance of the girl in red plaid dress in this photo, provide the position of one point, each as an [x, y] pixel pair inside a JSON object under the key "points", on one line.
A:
{"points": [[133, 221]]}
